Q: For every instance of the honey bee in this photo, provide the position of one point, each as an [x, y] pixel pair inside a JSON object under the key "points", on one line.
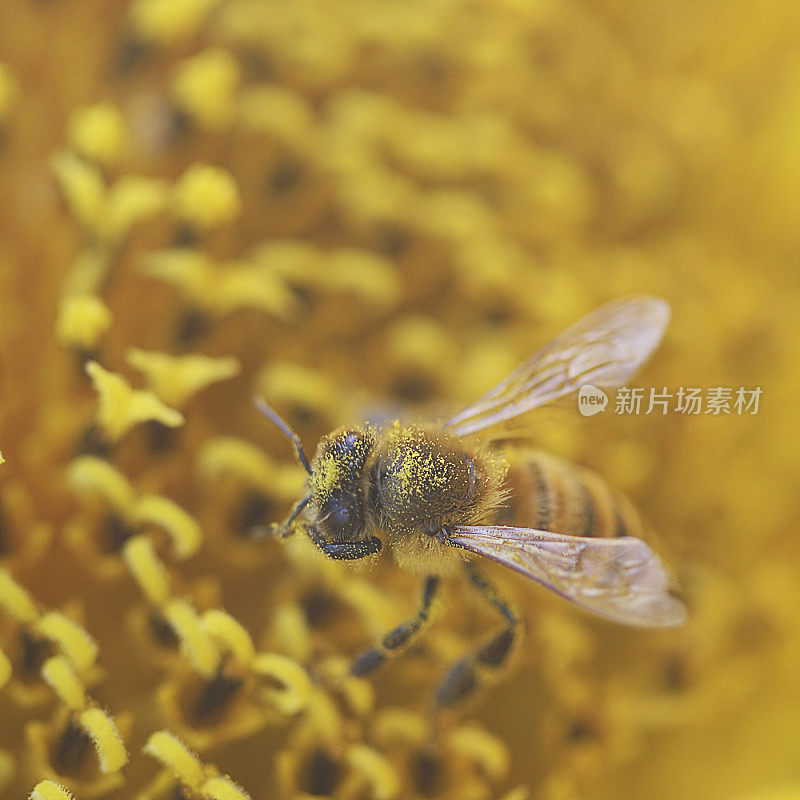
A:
{"points": [[439, 495]]}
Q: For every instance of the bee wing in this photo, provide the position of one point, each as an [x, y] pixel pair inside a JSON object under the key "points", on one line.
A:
{"points": [[605, 348], [620, 579]]}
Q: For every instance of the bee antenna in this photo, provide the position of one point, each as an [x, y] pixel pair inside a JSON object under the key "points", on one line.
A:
{"points": [[285, 429]]}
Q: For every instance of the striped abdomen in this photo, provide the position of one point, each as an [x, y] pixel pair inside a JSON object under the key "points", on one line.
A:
{"points": [[550, 494]]}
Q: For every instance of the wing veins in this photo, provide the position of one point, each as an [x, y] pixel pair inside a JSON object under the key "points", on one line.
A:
{"points": [[622, 579], [605, 348]]}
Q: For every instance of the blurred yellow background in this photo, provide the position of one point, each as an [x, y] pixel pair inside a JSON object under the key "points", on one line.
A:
{"points": [[362, 205]]}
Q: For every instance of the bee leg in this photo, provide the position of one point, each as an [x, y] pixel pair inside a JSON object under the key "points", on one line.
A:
{"points": [[465, 675], [371, 659], [344, 551], [295, 513], [282, 530]]}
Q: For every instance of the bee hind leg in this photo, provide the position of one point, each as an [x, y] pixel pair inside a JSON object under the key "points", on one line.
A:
{"points": [[464, 677], [372, 658]]}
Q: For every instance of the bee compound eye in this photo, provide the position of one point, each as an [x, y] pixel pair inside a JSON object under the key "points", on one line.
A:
{"points": [[342, 516]]}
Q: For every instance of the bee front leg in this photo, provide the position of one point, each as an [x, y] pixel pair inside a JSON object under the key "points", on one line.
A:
{"points": [[281, 530], [465, 675], [371, 659], [344, 551]]}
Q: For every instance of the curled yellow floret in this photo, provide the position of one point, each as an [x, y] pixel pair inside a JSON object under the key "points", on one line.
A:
{"points": [[82, 320], [72, 639], [129, 202], [82, 185], [347, 270], [244, 285], [15, 600], [222, 288], [376, 769], [421, 342], [5, 669], [226, 455], [399, 725], [90, 477], [108, 743], [50, 790], [196, 643], [58, 672], [283, 114], [147, 569], [121, 407], [167, 21], [283, 382], [230, 634], [89, 269], [363, 274], [9, 92], [357, 693], [482, 748], [223, 788], [176, 379], [176, 757], [183, 530], [294, 695], [518, 793], [290, 629]]}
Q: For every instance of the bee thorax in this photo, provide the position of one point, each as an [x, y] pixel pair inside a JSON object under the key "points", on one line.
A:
{"points": [[420, 477]]}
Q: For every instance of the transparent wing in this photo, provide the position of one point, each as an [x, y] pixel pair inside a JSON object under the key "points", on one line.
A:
{"points": [[605, 348], [620, 579]]}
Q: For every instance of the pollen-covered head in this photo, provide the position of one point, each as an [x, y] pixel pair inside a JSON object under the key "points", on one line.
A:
{"points": [[338, 484]]}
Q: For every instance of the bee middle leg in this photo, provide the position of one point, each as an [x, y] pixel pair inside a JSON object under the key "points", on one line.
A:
{"points": [[464, 677], [372, 658]]}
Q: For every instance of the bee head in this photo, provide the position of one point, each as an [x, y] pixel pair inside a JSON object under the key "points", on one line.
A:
{"points": [[337, 483]]}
